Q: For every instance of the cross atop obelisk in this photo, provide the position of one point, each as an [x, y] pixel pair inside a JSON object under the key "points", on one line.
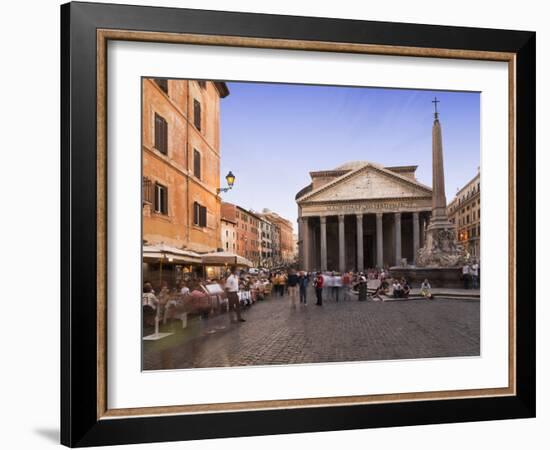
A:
{"points": [[435, 101]]}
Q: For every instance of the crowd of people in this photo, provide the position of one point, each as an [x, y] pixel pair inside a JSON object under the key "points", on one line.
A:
{"points": [[470, 275], [237, 290]]}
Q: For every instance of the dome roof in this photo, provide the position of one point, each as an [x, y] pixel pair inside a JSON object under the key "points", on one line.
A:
{"points": [[351, 165]]}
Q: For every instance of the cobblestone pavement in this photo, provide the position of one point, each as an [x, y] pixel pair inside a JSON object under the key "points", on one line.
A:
{"points": [[275, 333]]}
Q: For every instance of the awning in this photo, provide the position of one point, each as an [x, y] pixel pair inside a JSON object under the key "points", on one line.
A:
{"points": [[225, 258], [154, 253]]}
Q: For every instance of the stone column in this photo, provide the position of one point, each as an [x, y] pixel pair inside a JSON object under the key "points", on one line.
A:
{"points": [[323, 243], [304, 228], [397, 217], [379, 241], [422, 228], [341, 243], [360, 256], [416, 235]]}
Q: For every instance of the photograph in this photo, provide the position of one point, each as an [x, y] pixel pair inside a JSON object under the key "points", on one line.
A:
{"points": [[271, 224], [307, 224]]}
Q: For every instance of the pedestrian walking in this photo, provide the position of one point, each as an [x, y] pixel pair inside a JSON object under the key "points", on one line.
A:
{"points": [[336, 285], [318, 284], [302, 283], [328, 283], [292, 284], [232, 289]]}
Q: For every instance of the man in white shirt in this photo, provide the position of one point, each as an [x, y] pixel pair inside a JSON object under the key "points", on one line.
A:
{"points": [[466, 276], [232, 289], [336, 285], [184, 290]]}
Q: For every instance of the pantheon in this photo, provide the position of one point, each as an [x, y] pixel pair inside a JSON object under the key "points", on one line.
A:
{"points": [[362, 215]]}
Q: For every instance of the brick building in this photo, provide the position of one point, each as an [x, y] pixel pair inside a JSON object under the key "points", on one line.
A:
{"points": [[247, 228], [181, 163]]}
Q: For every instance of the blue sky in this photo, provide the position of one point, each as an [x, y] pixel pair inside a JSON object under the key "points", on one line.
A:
{"points": [[273, 135]]}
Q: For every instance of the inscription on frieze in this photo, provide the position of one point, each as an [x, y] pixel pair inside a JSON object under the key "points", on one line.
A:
{"points": [[371, 206], [364, 207]]}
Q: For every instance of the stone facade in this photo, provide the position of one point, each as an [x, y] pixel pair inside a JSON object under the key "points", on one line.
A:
{"points": [[266, 242], [464, 213], [362, 215], [283, 234], [181, 163], [229, 235]]}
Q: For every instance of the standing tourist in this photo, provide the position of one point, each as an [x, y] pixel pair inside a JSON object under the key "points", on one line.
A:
{"points": [[292, 283], [362, 289], [346, 285], [302, 283], [281, 284], [466, 275], [318, 284], [274, 285], [232, 289], [474, 272]]}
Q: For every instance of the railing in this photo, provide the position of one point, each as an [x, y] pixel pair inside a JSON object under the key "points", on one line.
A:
{"points": [[147, 191]]}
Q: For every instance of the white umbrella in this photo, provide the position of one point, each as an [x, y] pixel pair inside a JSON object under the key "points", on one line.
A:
{"points": [[225, 258]]}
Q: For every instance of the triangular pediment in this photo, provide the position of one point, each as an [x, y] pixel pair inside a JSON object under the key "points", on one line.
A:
{"points": [[368, 182]]}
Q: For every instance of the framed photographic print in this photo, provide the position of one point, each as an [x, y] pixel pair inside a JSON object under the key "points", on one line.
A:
{"points": [[277, 224]]}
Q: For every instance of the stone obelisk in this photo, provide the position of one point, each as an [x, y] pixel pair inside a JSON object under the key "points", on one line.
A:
{"points": [[439, 201], [441, 258], [440, 248]]}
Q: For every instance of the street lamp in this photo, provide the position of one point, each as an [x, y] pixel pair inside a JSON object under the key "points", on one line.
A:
{"points": [[230, 178]]}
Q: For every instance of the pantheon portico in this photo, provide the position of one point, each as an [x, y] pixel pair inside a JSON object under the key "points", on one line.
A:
{"points": [[362, 215]]}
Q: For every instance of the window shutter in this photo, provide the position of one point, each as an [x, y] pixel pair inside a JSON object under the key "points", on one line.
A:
{"points": [[164, 197], [197, 163], [157, 130], [162, 84], [203, 216], [197, 114], [161, 134], [164, 137], [196, 213]]}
